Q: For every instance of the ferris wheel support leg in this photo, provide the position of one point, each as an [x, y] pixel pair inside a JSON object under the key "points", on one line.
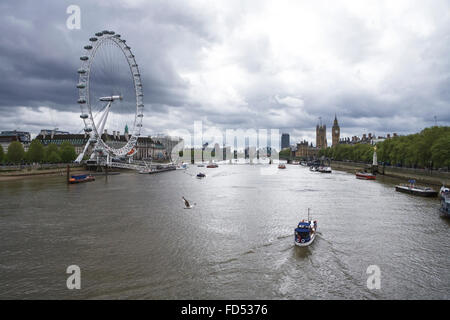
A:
{"points": [[103, 119], [81, 155]]}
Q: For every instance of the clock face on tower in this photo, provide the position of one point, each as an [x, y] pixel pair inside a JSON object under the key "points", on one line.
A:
{"points": [[336, 131]]}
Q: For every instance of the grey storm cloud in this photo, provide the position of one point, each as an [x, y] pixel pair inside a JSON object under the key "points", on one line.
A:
{"points": [[381, 67]]}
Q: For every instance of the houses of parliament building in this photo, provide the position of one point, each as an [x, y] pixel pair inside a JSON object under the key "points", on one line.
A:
{"points": [[321, 134], [305, 150]]}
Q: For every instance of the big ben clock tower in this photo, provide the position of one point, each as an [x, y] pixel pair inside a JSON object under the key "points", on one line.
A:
{"points": [[335, 132]]}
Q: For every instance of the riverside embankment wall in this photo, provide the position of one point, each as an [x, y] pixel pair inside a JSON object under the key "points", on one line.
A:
{"points": [[424, 176]]}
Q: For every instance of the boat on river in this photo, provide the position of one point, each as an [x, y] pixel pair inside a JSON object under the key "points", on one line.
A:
{"points": [[212, 165], [313, 169], [182, 166], [324, 169], [411, 188], [444, 191], [444, 194], [445, 205], [366, 176], [305, 233], [281, 166], [201, 175], [81, 178]]}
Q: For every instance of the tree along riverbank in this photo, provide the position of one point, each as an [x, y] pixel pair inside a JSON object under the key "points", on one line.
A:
{"points": [[429, 148], [424, 176]]}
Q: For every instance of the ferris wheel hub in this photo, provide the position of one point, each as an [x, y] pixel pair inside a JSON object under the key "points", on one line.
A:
{"points": [[110, 98]]}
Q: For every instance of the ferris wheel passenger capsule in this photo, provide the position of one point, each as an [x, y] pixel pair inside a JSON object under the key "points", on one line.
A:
{"points": [[99, 34], [84, 58], [88, 47], [81, 85], [84, 116], [81, 101], [93, 39], [88, 129], [81, 71], [111, 33]]}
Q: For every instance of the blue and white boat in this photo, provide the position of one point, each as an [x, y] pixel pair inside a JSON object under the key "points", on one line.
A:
{"points": [[445, 206], [445, 201], [305, 233], [444, 192], [201, 175]]}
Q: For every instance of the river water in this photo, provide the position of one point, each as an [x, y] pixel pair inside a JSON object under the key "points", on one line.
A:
{"points": [[132, 238]]}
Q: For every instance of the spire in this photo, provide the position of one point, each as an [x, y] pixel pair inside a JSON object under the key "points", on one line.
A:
{"points": [[335, 120], [126, 128]]}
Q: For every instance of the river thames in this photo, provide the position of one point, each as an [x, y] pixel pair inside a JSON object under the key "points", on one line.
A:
{"points": [[133, 239]]}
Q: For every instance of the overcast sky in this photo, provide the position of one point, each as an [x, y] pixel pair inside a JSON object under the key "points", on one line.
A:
{"points": [[380, 66]]}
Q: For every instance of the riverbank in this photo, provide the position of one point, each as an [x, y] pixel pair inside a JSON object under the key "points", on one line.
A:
{"points": [[6, 175], [421, 176]]}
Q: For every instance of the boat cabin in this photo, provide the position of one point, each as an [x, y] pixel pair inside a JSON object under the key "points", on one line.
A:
{"points": [[304, 231]]}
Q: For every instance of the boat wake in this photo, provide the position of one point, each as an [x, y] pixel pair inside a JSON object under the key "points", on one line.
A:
{"points": [[303, 190]]}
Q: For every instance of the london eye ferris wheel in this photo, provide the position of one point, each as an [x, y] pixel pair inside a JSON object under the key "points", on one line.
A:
{"points": [[110, 96]]}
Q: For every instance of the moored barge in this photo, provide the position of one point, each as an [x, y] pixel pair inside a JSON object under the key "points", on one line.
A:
{"points": [[81, 178], [411, 188]]}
